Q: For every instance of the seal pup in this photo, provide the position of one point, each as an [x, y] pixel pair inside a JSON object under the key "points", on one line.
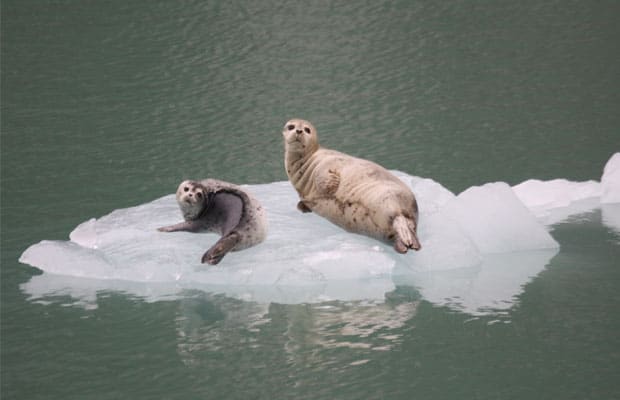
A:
{"points": [[221, 207], [355, 194]]}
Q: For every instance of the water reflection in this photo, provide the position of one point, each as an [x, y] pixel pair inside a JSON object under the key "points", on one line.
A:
{"points": [[208, 323], [488, 288], [302, 333], [354, 325]]}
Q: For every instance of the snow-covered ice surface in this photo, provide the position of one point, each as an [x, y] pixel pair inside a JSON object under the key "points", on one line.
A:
{"points": [[479, 249]]}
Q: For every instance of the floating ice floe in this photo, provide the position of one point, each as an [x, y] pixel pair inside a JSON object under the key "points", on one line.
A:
{"points": [[610, 181], [554, 201], [478, 249]]}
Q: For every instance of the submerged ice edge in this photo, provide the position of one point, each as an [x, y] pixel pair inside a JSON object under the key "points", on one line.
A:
{"points": [[122, 251], [490, 288]]}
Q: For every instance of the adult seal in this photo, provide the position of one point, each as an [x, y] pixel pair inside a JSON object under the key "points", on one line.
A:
{"points": [[355, 194], [221, 207]]}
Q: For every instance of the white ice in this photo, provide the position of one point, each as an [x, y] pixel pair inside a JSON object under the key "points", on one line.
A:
{"points": [[610, 181], [556, 200], [479, 249]]}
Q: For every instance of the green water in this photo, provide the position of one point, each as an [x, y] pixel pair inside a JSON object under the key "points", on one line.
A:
{"points": [[107, 105]]}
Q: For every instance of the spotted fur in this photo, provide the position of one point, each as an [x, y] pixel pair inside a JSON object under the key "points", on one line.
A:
{"points": [[355, 194]]}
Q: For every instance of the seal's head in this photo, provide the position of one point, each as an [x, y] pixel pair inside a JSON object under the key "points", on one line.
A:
{"points": [[300, 136], [192, 199]]}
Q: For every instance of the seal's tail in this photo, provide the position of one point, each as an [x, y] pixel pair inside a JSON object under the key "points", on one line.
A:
{"points": [[406, 237]]}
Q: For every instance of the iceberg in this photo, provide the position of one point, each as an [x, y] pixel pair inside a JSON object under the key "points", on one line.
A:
{"points": [[610, 181], [478, 249], [494, 218], [610, 198], [556, 200]]}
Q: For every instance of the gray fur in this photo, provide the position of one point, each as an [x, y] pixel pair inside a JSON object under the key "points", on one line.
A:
{"points": [[224, 208]]}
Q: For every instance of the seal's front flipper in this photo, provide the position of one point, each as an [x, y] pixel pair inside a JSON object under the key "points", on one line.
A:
{"points": [[189, 226], [304, 206], [226, 243], [328, 183]]}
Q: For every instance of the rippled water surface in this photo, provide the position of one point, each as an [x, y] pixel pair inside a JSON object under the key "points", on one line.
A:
{"points": [[107, 105]]}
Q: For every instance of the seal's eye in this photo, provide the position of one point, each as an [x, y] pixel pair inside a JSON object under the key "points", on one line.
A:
{"points": [[199, 194], [186, 189], [307, 130], [290, 127]]}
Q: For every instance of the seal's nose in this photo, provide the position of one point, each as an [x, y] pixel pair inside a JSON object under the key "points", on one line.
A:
{"points": [[299, 131]]}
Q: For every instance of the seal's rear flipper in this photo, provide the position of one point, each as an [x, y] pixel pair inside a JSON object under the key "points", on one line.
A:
{"points": [[406, 237], [226, 243]]}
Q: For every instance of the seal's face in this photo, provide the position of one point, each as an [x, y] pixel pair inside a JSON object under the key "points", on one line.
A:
{"points": [[191, 197], [300, 136]]}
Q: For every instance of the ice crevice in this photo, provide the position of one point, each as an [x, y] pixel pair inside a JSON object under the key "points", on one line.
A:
{"points": [[479, 246]]}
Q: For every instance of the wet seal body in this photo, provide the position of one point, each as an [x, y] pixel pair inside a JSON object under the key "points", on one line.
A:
{"points": [[355, 194], [221, 207]]}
